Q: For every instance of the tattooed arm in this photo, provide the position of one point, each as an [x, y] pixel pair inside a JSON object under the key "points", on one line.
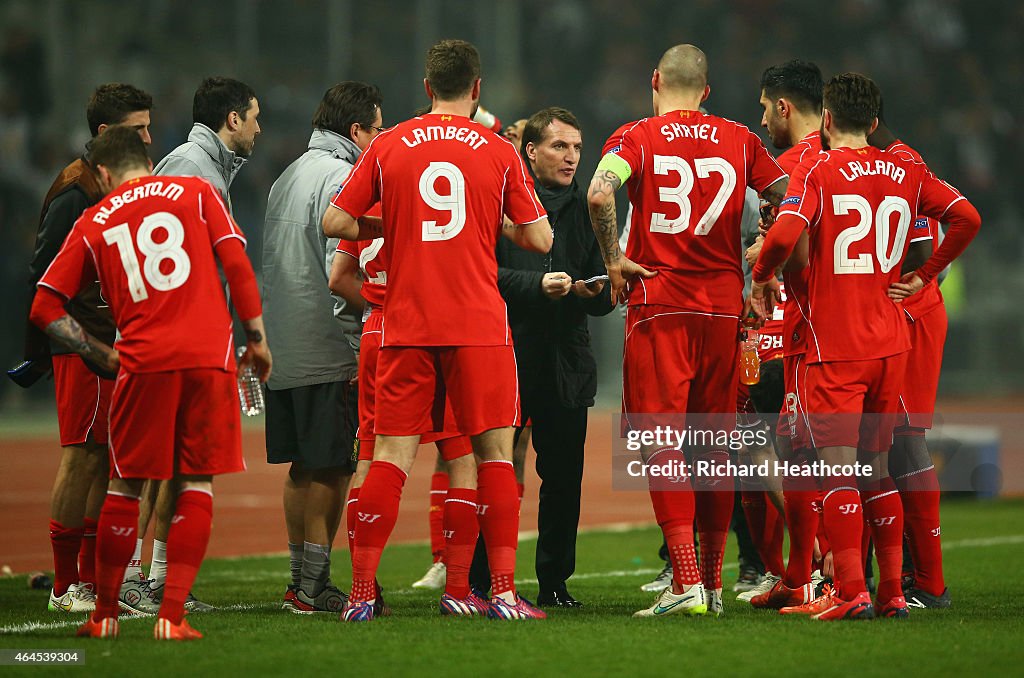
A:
{"points": [[776, 192], [534, 237], [67, 331], [601, 201]]}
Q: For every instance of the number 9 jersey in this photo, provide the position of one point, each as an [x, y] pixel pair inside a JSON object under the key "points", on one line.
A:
{"points": [[444, 182], [151, 243], [689, 173]]}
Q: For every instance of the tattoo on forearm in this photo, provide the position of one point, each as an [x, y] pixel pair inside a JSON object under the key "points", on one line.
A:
{"points": [[606, 227], [67, 331], [776, 192], [254, 336]]}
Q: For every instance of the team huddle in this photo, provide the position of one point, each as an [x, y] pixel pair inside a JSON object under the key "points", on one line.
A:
{"points": [[843, 288]]}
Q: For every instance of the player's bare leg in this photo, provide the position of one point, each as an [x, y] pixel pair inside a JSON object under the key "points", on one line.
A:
{"points": [[80, 468], [187, 540], [320, 508], [376, 512], [115, 540]]}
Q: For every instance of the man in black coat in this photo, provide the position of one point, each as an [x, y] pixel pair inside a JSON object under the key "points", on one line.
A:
{"points": [[548, 303]]}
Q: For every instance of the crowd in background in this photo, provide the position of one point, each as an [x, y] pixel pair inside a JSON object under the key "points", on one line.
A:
{"points": [[950, 70]]}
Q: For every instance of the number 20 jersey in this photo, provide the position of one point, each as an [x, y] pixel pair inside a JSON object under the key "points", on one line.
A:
{"points": [[443, 183], [859, 207], [689, 174], [151, 241]]}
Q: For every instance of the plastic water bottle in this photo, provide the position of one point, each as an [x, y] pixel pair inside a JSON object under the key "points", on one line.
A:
{"points": [[250, 391], [750, 361]]}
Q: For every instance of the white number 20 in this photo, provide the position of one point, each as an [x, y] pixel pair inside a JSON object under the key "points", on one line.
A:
{"points": [[454, 201], [155, 254], [679, 195], [844, 204]]}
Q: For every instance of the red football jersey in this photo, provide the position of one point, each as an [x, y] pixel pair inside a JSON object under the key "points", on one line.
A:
{"points": [[794, 321], [444, 184], [925, 228], [152, 244], [689, 174], [373, 263], [859, 206]]}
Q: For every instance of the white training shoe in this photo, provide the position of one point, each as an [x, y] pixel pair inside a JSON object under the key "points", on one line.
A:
{"points": [[434, 578], [691, 602], [78, 598], [663, 579], [764, 587], [715, 606]]}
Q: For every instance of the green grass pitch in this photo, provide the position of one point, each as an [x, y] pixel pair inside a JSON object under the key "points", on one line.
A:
{"points": [[982, 634]]}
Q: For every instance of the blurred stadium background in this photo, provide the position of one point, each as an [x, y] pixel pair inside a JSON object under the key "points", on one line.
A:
{"points": [[951, 71]]}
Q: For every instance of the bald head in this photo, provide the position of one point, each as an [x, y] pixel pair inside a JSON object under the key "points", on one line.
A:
{"points": [[684, 68]]}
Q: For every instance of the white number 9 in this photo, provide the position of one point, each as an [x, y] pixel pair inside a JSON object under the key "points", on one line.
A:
{"points": [[454, 202]]}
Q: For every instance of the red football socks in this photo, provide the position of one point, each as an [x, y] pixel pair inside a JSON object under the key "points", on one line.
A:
{"points": [[186, 546], [844, 524], [438, 490], [802, 519], [919, 491], [87, 553], [714, 497], [766, 528], [673, 502], [350, 519], [499, 521], [115, 543], [884, 515], [376, 513], [66, 542], [461, 529]]}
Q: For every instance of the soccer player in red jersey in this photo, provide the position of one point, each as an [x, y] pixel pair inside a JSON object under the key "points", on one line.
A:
{"points": [[686, 173], [444, 184], [154, 243], [855, 204], [457, 519], [791, 99], [909, 460]]}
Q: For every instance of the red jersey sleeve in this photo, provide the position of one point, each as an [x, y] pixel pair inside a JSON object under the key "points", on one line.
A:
{"points": [[764, 169], [802, 196], [614, 142], [215, 215], [73, 267], [522, 205], [361, 189], [942, 202], [631, 149], [349, 247]]}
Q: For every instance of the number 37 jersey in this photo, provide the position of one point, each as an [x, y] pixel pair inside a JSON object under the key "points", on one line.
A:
{"points": [[859, 207], [151, 242], [443, 183], [689, 173]]}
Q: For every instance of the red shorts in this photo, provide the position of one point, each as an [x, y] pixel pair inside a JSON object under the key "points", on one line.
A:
{"points": [[414, 383], [185, 422], [924, 363], [369, 353], [679, 362], [83, 402], [791, 421], [853, 403]]}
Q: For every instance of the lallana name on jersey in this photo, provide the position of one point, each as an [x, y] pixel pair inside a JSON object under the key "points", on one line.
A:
{"points": [[704, 131], [130, 195], [867, 169], [445, 133]]}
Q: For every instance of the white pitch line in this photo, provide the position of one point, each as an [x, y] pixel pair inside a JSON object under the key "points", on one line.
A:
{"points": [[29, 627]]}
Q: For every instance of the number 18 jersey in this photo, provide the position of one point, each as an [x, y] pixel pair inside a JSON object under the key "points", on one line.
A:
{"points": [[689, 173], [443, 183], [151, 241]]}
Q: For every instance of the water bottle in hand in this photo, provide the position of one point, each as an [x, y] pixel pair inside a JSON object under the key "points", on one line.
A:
{"points": [[250, 391]]}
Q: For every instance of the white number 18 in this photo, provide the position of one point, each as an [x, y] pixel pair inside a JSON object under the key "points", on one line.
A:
{"points": [[155, 254]]}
